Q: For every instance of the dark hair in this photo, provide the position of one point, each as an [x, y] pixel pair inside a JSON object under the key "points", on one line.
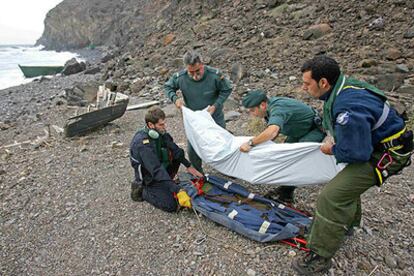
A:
{"points": [[154, 114], [322, 67], [191, 57]]}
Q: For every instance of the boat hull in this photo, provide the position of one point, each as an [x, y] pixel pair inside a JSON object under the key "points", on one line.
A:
{"points": [[36, 71], [84, 123]]}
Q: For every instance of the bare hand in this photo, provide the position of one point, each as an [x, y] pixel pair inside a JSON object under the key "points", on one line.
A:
{"points": [[194, 172], [245, 147], [211, 109], [179, 103], [326, 147]]}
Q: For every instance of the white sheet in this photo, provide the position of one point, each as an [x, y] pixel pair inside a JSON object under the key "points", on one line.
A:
{"points": [[268, 163]]}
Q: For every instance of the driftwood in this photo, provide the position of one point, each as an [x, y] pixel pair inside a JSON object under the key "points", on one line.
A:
{"points": [[40, 140], [142, 105]]}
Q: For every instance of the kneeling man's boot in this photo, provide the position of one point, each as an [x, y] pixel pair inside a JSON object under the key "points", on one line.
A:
{"points": [[136, 191], [311, 264]]}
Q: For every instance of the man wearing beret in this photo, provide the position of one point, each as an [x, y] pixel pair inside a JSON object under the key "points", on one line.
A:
{"points": [[202, 87], [298, 121]]}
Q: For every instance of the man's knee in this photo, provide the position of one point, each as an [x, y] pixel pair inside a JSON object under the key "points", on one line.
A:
{"points": [[327, 199], [167, 204], [161, 200], [170, 207]]}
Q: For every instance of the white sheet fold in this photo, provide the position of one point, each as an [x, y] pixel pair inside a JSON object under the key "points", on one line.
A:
{"points": [[268, 163]]}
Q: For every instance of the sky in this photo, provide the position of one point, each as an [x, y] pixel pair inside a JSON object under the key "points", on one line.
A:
{"points": [[21, 21]]}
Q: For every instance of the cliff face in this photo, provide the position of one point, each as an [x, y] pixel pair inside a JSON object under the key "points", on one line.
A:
{"points": [[262, 44], [75, 23]]}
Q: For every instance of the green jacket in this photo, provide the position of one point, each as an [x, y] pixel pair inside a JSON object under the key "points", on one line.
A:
{"points": [[294, 118], [212, 89], [341, 84]]}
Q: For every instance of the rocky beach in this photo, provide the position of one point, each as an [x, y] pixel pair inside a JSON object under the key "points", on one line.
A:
{"points": [[65, 204]]}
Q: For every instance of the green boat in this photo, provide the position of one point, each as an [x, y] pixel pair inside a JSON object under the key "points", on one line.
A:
{"points": [[35, 71]]}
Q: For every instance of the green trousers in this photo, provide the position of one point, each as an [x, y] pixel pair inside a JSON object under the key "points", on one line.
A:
{"points": [[339, 208]]}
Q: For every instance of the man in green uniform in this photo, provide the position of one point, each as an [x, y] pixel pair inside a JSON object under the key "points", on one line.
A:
{"points": [[368, 135], [298, 121], [202, 87]]}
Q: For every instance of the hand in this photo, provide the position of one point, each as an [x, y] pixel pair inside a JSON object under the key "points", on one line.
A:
{"points": [[326, 147], [194, 172], [179, 103], [183, 199], [245, 147], [211, 109]]}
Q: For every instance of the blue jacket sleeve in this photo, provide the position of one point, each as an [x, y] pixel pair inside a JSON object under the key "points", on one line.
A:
{"points": [[353, 124]]}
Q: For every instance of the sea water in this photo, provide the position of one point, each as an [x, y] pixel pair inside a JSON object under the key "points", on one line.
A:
{"points": [[13, 55]]}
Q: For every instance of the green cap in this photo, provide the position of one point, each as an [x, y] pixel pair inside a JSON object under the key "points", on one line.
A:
{"points": [[254, 98]]}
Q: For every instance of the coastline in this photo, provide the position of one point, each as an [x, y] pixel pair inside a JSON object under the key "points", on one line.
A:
{"points": [[91, 57]]}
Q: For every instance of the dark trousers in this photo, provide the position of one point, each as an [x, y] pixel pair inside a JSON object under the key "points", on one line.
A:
{"points": [[159, 193], [195, 160]]}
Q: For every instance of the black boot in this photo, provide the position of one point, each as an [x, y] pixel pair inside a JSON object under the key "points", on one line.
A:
{"points": [[311, 264], [136, 191], [350, 232], [282, 193]]}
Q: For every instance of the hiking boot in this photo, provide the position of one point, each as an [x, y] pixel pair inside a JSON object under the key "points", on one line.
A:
{"points": [[311, 263], [136, 192], [350, 232], [282, 193]]}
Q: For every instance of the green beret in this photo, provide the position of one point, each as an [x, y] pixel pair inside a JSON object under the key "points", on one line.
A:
{"points": [[254, 98]]}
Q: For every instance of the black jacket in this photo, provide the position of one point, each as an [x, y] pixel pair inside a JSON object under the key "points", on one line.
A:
{"points": [[146, 162]]}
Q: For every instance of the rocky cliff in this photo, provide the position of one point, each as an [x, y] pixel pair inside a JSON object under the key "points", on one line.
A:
{"points": [[75, 23], [259, 43]]}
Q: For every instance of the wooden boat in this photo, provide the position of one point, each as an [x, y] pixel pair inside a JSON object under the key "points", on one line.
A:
{"points": [[109, 108], [35, 71]]}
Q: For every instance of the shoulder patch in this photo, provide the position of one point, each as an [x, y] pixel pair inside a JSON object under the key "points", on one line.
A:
{"points": [[179, 74], [145, 141], [343, 118], [213, 70]]}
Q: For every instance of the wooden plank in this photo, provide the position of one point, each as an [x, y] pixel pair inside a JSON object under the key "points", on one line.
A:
{"points": [[142, 105]]}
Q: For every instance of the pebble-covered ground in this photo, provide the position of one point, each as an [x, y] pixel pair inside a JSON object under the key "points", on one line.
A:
{"points": [[65, 206]]}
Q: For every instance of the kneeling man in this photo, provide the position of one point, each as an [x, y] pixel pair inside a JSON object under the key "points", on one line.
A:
{"points": [[156, 159]]}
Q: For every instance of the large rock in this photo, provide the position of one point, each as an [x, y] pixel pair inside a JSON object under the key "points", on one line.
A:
{"points": [[407, 89], [81, 94], [231, 116], [168, 39], [378, 24], [393, 54], [92, 70], [388, 82], [72, 66], [279, 10], [409, 33], [237, 72], [316, 31]]}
